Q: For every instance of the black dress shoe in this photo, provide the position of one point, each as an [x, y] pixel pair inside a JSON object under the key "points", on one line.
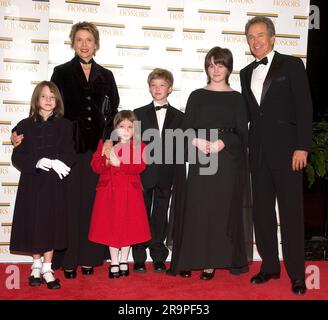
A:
{"points": [[159, 266], [185, 274], [207, 275], [115, 274], [139, 267], [298, 287], [70, 274], [263, 277], [34, 281], [124, 273], [87, 270]]}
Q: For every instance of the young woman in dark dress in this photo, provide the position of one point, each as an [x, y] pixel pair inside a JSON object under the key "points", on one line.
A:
{"points": [[44, 158], [209, 225]]}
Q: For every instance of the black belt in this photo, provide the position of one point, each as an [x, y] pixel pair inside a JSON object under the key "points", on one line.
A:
{"points": [[226, 130]]}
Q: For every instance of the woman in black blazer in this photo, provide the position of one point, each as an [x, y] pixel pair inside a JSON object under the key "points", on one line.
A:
{"points": [[85, 87]]}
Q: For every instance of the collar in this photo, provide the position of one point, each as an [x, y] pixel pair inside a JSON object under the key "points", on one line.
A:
{"points": [[39, 118], [83, 61], [269, 56]]}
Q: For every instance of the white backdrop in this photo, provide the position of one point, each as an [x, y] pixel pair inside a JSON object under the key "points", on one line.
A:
{"points": [[136, 36]]}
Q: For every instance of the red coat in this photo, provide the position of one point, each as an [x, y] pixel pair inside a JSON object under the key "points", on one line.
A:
{"points": [[119, 216]]}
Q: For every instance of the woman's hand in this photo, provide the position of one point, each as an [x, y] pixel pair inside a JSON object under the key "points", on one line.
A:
{"points": [[15, 139], [107, 147]]}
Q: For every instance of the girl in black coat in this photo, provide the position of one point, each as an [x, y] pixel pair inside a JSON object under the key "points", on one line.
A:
{"points": [[44, 158]]}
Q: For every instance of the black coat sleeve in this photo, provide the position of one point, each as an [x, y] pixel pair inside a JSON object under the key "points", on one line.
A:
{"points": [[66, 152], [23, 156], [303, 104], [114, 103]]}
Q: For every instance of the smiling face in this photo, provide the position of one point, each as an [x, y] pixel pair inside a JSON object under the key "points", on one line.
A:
{"points": [[84, 44], [217, 73], [159, 89], [259, 40], [125, 130], [47, 102]]}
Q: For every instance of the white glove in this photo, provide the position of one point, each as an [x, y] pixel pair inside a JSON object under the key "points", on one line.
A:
{"points": [[44, 164], [61, 168]]}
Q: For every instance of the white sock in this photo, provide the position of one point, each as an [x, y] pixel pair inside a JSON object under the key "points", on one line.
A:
{"points": [[36, 268], [114, 258], [124, 257], [47, 272]]}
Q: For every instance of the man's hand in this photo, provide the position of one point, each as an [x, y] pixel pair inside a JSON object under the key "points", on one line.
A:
{"points": [[107, 146], [299, 160], [15, 139]]}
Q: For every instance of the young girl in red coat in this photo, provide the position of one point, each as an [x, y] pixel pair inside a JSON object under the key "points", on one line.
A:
{"points": [[119, 217]]}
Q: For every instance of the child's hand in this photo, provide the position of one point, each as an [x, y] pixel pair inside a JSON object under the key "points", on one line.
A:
{"points": [[113, 159], [216, 146], [202, 144]]}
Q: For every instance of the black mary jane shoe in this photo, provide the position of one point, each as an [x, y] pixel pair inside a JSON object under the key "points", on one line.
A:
{"points": [[124, 273], [207, 275], [116, 274], [185, 274], [55, 284], [70, 274], [87, 271], [34, 281]]}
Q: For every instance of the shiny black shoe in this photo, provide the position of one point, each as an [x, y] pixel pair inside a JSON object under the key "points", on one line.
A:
{"points": [[207, 275], [299, 287], [116, 274], [139, 267], [185, 274], [34, 281], [124, 273], [70, 274], [52, 284], [263, 277], [87, 271], [159, 266]]}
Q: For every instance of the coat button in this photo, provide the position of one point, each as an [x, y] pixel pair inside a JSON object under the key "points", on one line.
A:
{"points": [[88, 98], [89, 108], [89, 118]]}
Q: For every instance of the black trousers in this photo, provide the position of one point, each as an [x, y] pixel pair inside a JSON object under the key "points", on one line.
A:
{"points": [[287, 186], [157, 202]]}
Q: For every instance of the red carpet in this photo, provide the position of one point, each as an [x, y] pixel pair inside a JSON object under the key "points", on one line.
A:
{"points": [[159, 286]]}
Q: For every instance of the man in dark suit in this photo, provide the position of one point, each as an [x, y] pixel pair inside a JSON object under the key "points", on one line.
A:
{"points": [[277, 94], [157, 179]]}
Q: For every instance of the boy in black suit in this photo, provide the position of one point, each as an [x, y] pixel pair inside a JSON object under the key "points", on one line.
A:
{"points": [[157, 179]]}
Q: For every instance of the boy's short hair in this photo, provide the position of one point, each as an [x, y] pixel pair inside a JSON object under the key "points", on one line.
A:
{"points": [[159, 73]]}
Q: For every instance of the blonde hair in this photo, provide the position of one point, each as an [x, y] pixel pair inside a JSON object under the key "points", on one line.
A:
{"points": [[88, 26], [131, 116], [35, 100], [159, 73]]}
